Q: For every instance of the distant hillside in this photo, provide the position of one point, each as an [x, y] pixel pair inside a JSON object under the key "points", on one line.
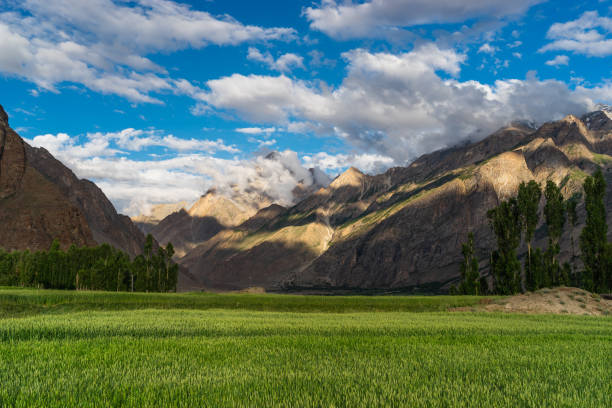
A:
{"points": [[213, 213], [41, 199], [403, 230]]}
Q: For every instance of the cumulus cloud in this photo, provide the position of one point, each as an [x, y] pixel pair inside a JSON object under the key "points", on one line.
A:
{"points": [[256, 130], [103, 44], [398, 105], [349, 19], [589, 35], [487, 49], [135, 185], [284, 63], [558, 60], [366, 162], [133, 140], [262, 142]]}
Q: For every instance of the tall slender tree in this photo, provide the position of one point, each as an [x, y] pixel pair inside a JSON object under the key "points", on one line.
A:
{"points": [[528, 199], [554, 212], [593, 240], [169, 255], [470, 284], [505, 266], [148, 255], [572, 217]]}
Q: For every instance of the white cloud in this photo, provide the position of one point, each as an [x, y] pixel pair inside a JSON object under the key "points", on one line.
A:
{"points": [[589, 35], [487, 49], [256, 130], [397, 105], [134, 185], [558, 60], [366, 162], [103, 44], [375, 18], [318, 59], [109, 144], [262, 142], [284, 63]]}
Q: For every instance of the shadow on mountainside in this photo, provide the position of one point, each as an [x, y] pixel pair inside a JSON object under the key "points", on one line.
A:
{"points": [[264, 265]]}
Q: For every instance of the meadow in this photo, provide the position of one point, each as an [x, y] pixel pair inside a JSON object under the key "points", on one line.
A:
{"points": [[62, 349]]}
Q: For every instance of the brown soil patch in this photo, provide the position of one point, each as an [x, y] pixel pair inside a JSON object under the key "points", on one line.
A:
{"points": [[561, 300], [253, 290]]}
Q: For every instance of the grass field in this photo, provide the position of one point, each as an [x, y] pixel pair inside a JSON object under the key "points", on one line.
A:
{"points": [[107, 349], [21, 302]]}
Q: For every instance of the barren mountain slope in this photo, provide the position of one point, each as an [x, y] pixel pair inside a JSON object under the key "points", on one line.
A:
{"points": [[403, 229], [218, 211], [41, 199]]}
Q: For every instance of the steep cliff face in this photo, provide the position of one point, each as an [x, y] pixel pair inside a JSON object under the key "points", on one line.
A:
{"points": [[41, 199], [403, 229], [33, 211]]}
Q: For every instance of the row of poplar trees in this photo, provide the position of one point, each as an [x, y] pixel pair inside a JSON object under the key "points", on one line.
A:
{"points": [[515, 221], [91, 268]]}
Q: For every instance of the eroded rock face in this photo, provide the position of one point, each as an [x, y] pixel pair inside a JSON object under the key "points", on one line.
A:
{"points": [[41, 199], [3, 117], [12, 158], [33, 211], [106, 225]]}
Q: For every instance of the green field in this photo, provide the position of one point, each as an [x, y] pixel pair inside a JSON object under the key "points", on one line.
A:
{"points": [[108, 349]]}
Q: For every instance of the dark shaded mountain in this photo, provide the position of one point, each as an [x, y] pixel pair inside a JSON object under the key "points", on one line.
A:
{"points": [[403, 229], [41, 199]]}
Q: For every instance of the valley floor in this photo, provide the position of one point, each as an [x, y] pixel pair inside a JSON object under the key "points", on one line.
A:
{"points": [[108, 349]]}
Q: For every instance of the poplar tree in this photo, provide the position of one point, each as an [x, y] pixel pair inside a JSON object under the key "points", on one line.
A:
{"points": [[572, 217], [148, 249], [593, 239], [469, 269], [528, 199], [169, 255], [505, 266], [554, 212]]}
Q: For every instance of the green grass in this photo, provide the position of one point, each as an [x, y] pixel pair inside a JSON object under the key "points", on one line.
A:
{"points": [[77, 355], [602, 159], [23, 302]]}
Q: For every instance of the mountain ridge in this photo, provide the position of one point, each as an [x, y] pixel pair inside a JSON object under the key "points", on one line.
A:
{"points": [[403, 229], [41, 199]]}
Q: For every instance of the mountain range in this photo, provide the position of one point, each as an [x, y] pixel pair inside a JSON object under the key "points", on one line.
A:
{"points": [[401, 230], [397, 231]]}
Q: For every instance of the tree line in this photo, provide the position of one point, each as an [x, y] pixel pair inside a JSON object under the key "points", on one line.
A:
{"points": [[515, 220], [91, 268]]}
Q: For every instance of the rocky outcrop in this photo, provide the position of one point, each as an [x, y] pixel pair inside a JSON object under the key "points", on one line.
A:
{"points": [[41, 199]]}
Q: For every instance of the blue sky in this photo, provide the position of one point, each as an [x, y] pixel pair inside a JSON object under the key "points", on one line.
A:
{"points": [[157, 101]]}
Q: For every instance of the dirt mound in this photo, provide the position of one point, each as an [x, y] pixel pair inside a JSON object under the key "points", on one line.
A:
{"points": [[558, 301]]}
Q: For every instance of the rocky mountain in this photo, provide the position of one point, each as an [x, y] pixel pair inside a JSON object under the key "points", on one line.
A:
{"points": [[215, 212], [41, 199], [403, 229], [146, 222]]}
